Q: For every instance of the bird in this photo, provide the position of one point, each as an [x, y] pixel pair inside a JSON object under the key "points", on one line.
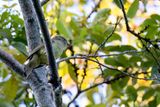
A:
{"points": [[39, 56]]}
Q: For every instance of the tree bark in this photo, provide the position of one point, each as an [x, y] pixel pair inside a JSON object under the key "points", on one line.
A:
{"points": [[37, 79]]}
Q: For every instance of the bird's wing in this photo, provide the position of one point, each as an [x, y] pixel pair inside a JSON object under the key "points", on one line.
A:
{"points": [[34, 51]]}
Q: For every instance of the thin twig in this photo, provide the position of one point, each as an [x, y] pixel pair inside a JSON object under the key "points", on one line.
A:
{"points": [[108, 81], [106, 39], [137, 34], [94, 9], [12, 63], [43, 2], [86, 66], [111, 68], [107, 55], [73, 99]]}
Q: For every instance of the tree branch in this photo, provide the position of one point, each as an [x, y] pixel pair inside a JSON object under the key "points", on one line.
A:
{"points": [[106, 39], [12, 63], [37, 79], [111, 68], [54, 80], [43, 2], [108, 81], [137, 34], [31, 24], [94, 9], [44, 29]]}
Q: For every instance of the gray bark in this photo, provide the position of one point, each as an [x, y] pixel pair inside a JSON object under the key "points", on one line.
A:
{"points": [[43, 91], [12, 63], [37, 79]]}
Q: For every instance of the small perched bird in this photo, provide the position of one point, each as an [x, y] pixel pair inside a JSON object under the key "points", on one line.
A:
{"points": [[39, 56]]}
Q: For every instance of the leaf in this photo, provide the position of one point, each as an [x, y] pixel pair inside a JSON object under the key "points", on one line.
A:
{"points": [[4, 16], [152, 103], [11, 6], [101, 16], [4, 103], [118, 3], [133, 9], [21, 47], [117, 61], [119, 84], [132, 93], [111, 61], [90, 93], [148, 94], [155, 17], [115, 36], [134, 59], [118, 48], [72, 73], [99, 32], [63, 29], [74, 25], [151, 32], [10, 88], [109, 72], [96, 105], [5, 33], [158, 97]]}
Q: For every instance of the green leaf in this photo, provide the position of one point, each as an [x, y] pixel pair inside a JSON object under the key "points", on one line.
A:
{"points": [[99, 32], [80, 38], [72, 73], [153, 103], [151, 32], [119, 84], [118, 48], [10, 88], [21, 47], [158, 97], [4, 103], [115, 36], [96, 105], [148, 94], [101, 16], [109, 72], [4, 16], [134, 59], [111, 61], [90, 93], [63, 29], [5, 33], [155, 17], [133, 9], [132, 93], [117, 61], [118, 3], [74, 25], [11, 6]]}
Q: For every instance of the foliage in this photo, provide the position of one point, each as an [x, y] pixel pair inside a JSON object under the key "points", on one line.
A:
{"points": [[125, 67]]}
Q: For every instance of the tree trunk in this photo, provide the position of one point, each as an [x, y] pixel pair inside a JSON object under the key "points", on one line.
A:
{"points": [[37, 79]]}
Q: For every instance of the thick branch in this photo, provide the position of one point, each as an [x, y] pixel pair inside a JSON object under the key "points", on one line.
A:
{"points": [[12, 63], [48, 45], [43, 91], [55, 80], [37, 78], [31, 24]]}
